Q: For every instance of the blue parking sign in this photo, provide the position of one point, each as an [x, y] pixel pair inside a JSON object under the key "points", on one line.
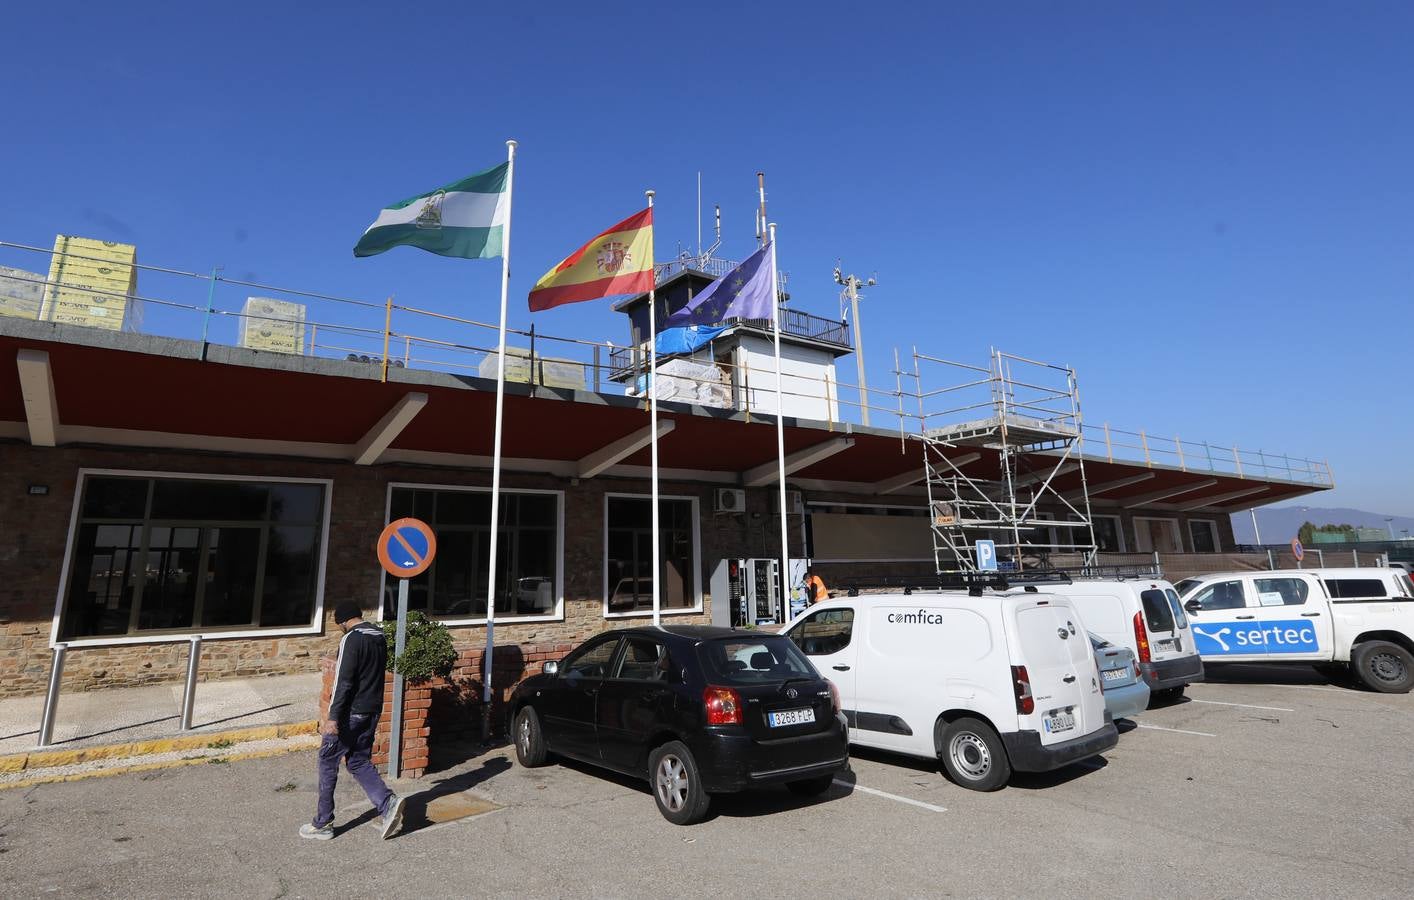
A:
{"points": [[987, 556]]}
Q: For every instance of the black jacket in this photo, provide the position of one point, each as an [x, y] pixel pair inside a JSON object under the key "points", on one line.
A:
{"points": [[358, 675]]}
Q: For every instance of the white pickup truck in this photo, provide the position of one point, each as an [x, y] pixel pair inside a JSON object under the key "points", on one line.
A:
{"points": [[1362, 619]]}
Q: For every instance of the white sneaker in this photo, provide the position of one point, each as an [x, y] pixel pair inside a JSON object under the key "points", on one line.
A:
{"points": [[309, 830], [392, 819]]}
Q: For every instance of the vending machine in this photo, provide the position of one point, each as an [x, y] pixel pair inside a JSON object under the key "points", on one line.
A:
{"points": [[748, 592]]}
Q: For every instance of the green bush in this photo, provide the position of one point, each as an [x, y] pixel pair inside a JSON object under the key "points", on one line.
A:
{"points": [[429, 652]]}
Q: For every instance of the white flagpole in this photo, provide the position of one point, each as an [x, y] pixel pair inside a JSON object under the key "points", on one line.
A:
{"points": [[653, 430], [496, 452], [780, 427]]}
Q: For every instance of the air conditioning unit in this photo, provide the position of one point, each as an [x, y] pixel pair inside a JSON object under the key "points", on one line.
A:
{"points": [[729, 500], [795, 503]]}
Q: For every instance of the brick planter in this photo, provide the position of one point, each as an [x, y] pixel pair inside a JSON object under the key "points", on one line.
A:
{"points": [[442, 711]]}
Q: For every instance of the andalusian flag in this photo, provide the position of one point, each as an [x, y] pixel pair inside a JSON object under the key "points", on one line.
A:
{"points": [[619, 261], [465, 219]]}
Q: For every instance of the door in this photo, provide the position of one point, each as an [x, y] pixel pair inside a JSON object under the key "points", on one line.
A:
{"points": [[1060, 667], [634, 702], [827, 638], [1223, 620], [1294, 618], [567, 706]]}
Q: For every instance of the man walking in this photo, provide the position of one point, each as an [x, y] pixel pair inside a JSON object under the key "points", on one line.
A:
{"points": [[351, 722]]}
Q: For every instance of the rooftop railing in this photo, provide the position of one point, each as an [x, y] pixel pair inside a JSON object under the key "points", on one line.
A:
{"points": [[207, 307]]}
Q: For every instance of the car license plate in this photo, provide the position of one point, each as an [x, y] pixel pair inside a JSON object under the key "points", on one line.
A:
{"points": [[1058, 721], [1164, 645], [1113, 675], [791, 717]]}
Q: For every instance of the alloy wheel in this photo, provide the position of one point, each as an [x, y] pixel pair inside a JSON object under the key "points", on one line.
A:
{"points": [[671, 782]]}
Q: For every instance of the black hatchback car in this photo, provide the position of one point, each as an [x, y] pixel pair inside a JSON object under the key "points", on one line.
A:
{"points": [[695, 710]]}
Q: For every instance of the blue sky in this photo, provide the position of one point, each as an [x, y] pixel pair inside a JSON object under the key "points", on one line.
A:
{"points": [[1203, 207]]}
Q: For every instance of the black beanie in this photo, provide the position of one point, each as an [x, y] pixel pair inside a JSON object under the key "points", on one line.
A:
{"points": [[347, 609]]}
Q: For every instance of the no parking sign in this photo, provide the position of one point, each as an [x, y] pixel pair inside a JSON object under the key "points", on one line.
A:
{"points": [[406, 548]]}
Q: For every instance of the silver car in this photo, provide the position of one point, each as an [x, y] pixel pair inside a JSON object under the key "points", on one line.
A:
{"points": [[1126, 694]]}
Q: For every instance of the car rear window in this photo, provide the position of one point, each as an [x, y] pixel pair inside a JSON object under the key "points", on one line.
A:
{"points": [[1344, 588], [1157, 613], [753, 660]]}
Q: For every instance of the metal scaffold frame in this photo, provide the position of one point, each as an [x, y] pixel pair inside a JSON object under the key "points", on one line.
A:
{"points": [[993, 447]]}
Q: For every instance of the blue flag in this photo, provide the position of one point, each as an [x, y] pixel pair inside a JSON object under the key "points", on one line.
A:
{"points": [[744, 293], [685, 339]]}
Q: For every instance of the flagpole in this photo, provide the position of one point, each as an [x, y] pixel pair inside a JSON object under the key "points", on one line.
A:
{"points": [[496, 453], [780, 426], [653, 429]]}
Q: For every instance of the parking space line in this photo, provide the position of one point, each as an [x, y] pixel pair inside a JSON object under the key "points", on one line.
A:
{"points": [[1243, 705], [1174, 730], [888, 796]]}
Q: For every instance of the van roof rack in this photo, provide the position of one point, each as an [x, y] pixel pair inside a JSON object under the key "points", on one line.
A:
{"points": [[972, 582]]}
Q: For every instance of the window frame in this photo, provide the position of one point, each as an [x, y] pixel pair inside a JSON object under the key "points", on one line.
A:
{"points": [[1217, 538], [1177, 531], [1119, 531], [696, 608], [316, 625], [557, 616]]}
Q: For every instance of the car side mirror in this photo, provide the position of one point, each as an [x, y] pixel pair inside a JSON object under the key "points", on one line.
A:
{"points": [[550, 668], [1193, 606]]}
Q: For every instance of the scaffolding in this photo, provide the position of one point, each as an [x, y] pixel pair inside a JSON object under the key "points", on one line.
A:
{"points": [[994, 446]]}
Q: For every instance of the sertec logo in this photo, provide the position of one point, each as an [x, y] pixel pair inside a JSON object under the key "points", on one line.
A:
{"points": [[1288, 636], [922, 617]]}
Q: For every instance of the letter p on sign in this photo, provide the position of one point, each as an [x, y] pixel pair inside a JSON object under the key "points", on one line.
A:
{"points": [[987, 556]]}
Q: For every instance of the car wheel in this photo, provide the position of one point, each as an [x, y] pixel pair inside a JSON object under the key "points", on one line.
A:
{"points": [[811, 787], [1383, 666], [677, 785], [973, 755], [530, 740]]}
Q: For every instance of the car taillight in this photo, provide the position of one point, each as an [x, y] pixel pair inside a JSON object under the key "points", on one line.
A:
{"points": [[834, 695], [1141, 638], [723, 706], [1021, 682]]}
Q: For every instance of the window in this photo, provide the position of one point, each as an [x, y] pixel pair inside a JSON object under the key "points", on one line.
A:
{"points": [[454, 587], [1223, 595], [1157, 534], [628, 554], [1109, 535], [1355, 588], [645, 659], [1204, 535], [824, 632], [1179, 617], [591, 660], [159, 554], [1281, 591], [754, 660], [1158, 615]]}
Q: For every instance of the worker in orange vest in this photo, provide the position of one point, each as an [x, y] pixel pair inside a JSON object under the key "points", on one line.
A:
{"points": [[815, 589]]}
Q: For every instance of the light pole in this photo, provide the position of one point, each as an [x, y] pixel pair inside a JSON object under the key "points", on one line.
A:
{"points": [[1256, 532], [1389, 527], [852, 284]]}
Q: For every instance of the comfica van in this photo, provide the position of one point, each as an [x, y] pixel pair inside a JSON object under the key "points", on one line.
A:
{"points": [[987, 683], [1144, 615]]}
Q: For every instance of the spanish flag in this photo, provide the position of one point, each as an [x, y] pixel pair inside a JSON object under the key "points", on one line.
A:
{"points": [[618, 261]]}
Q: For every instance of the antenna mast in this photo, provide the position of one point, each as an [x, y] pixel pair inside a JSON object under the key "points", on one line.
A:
{"points": [[850, 295]]}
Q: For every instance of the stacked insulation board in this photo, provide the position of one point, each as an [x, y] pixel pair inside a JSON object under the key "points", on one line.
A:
{"points": [[21, 293], [93, 283], [273, 325]]}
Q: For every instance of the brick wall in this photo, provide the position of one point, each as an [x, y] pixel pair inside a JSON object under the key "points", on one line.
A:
{"points": [[32, 558]]}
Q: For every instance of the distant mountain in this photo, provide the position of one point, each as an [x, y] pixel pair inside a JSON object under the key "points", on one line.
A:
{"points": [[1279, 524]]}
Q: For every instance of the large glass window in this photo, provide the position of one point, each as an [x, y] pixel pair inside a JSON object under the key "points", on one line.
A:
{"points": [[454, 587], [629, 554], [1204, 535], [154, 554], [1109, 536], [1157, 534]]}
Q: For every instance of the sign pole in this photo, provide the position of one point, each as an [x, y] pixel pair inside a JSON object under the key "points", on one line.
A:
{"points": [[486, 659], [395, 728]]}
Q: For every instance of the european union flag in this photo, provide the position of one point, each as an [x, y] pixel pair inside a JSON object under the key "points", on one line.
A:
{"points": [[744, 292]]}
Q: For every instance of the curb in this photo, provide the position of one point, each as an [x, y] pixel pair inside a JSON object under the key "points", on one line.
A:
{"points": [[151, 766], [44, 759]]}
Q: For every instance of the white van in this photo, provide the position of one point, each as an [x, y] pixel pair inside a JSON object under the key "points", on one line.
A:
{"points": [[1143, 614], [987, 683]]}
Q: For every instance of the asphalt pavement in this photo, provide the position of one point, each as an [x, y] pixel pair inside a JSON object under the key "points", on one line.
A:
{"points": [[1261, 783]]}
